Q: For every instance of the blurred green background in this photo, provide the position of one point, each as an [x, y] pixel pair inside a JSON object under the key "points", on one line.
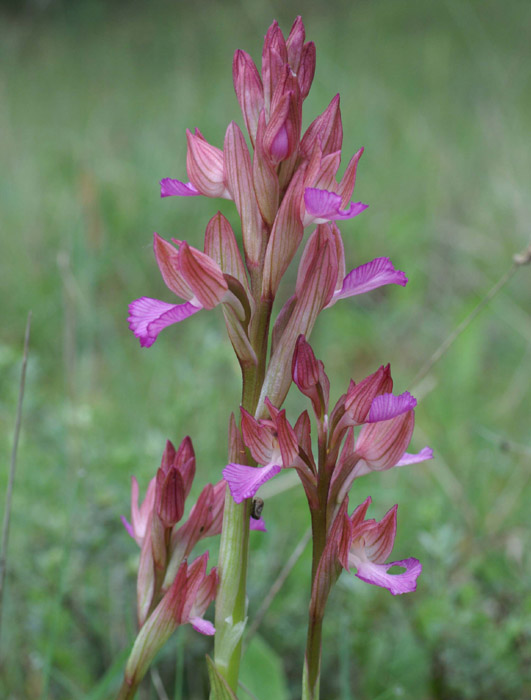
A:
{"points": [[94, 101]]}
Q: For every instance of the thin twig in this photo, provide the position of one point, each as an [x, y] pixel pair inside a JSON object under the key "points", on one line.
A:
{"points": [[12, 469], [277, 585], [520, 259]]}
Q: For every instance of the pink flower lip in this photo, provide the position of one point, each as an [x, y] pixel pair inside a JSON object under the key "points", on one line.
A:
{"points": [[409, 458], [147, 317], [323, 205], [176, 188], [387, 406], [244, 481], [372, 275], [377, 575]]}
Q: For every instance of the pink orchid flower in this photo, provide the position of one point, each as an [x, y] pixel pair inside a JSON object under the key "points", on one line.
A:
{"points": [[272, 443], [370, 544], [188, 273]]}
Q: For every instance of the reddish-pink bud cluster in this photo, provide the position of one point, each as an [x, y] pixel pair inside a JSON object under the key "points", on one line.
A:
{"points": [[164, 547], [184, 602]]}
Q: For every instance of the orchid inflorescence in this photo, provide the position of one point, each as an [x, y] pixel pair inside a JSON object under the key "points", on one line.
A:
{"points": [[284, 183]]}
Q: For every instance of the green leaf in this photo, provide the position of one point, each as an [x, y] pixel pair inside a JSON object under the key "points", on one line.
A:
{"points": [[220, 689], [262, 671]]}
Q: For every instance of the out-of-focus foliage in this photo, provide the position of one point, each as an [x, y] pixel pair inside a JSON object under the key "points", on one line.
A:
{"points": [[94, 101]]}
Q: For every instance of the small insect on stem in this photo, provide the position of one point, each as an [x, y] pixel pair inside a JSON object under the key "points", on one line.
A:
{"points": [[256, 508]]}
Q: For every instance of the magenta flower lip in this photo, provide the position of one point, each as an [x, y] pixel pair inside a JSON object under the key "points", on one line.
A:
{"points": [[244, 481], [387, 406], [377, 575], [323, 205], [148, 317], [176, 188], [369, 276]]}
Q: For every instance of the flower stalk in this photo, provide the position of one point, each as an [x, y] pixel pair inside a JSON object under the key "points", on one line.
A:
{"points": [[285, 182]]}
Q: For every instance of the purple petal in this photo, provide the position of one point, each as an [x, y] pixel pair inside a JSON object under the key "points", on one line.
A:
{"points": [[171, 188], [395, 583], [147, 317], [127, 526], [258, 525], [387, 406], [203, 626], [245, 481], [372, 275], [422, 456], [326, 205]]}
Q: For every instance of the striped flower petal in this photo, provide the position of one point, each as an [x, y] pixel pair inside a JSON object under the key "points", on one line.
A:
{"points": [[369, 276], [244, 481], [408, 458], [147, 317], [387, 406], [323, 205], [172, 188], [397, 584]]}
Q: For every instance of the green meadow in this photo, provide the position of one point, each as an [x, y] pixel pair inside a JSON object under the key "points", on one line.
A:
{"points": [[95, 98]]}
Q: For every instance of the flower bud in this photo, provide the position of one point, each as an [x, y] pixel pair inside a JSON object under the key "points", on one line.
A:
{"points": [[307, 69], [274, 58], [285, 238], [204, 164], [281, 136], [309, 376], [265, 177], [295, 43], [169, 497], [249, 90], [328, 128], [240, 183], [185, 601]]}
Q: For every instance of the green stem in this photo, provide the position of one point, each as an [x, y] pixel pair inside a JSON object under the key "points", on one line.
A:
{"points": [[259, 337], [312, 659], [231, 599], [230, 617]]}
